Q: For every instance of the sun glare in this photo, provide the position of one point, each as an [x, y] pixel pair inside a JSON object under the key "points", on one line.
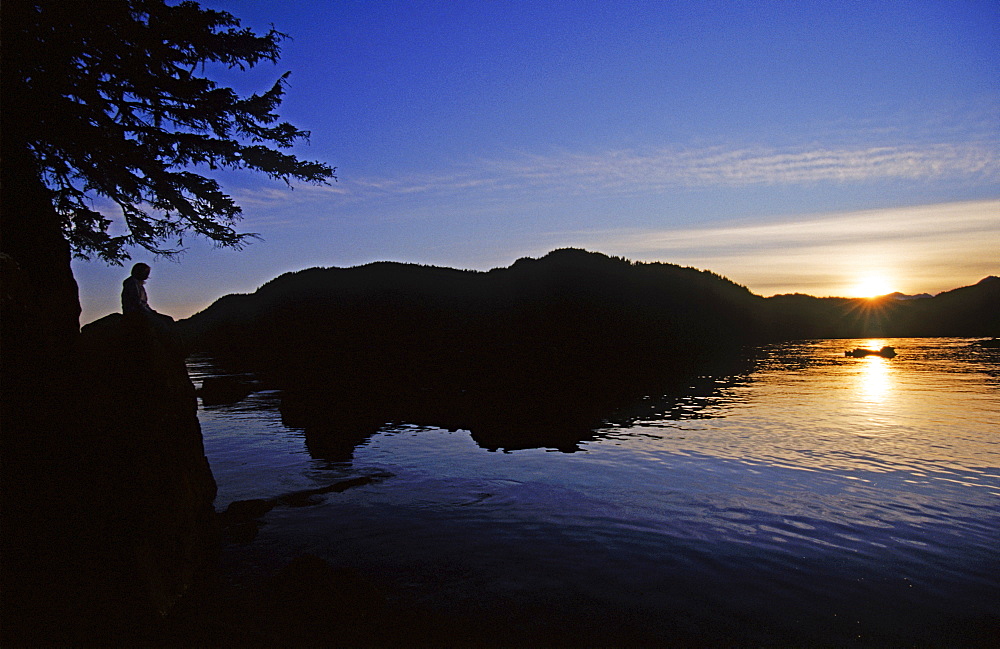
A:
{"points": [[871, 286]]}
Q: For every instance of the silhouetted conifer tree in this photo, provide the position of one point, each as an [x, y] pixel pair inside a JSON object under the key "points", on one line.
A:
{"points": [[109, 99], [105, 104], [108, 104]]}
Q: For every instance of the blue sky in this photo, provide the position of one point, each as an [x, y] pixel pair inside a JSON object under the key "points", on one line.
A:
{"points": [[830, 148]]}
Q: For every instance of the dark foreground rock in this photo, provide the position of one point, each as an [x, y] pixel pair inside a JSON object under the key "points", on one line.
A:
{"points": [[143, 407], [123, 523]]}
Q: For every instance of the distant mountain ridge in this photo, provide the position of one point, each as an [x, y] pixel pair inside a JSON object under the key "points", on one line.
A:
{"points": [[567, 296], [968, 311]]}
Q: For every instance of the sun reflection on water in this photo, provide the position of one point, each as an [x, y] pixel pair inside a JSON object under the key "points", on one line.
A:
{"points": [[875, 380]]}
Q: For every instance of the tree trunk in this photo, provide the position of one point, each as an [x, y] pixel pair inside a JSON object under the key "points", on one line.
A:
{"points": [[39, 330]]}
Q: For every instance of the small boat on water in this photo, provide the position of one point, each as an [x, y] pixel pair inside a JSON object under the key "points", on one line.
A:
{"points": [[861, 352], [992, 344]]}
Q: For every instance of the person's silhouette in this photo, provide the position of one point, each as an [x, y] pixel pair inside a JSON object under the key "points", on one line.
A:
{"points": [[134, 299], [135, 303]]}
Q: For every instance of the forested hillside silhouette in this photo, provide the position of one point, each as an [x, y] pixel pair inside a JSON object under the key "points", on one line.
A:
{"points": [[971, 311], [536, 354]]}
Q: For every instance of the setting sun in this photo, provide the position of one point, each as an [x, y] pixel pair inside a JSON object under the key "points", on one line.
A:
{"points": [[871, 286]]}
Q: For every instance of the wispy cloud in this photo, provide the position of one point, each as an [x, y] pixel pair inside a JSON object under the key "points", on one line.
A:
{"points": [[635, 171], [626, 171], [639, 172], [250, 197], [883, 226]]}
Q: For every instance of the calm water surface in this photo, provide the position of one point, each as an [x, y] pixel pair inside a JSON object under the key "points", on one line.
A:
{"points": [[815, 499]]}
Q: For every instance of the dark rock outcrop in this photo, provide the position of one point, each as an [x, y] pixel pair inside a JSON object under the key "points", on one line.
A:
{"points": [[142, 411], [123, 519]]}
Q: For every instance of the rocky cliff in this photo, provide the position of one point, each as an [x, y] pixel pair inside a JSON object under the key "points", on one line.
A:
{"points": [[114, 517]]}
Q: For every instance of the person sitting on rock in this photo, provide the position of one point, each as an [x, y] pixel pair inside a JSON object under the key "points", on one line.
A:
{"points": [[134, 299], [136, 303]]}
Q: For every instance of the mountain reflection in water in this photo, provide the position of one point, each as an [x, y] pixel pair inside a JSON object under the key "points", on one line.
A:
{"points": [[815, 498]]}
